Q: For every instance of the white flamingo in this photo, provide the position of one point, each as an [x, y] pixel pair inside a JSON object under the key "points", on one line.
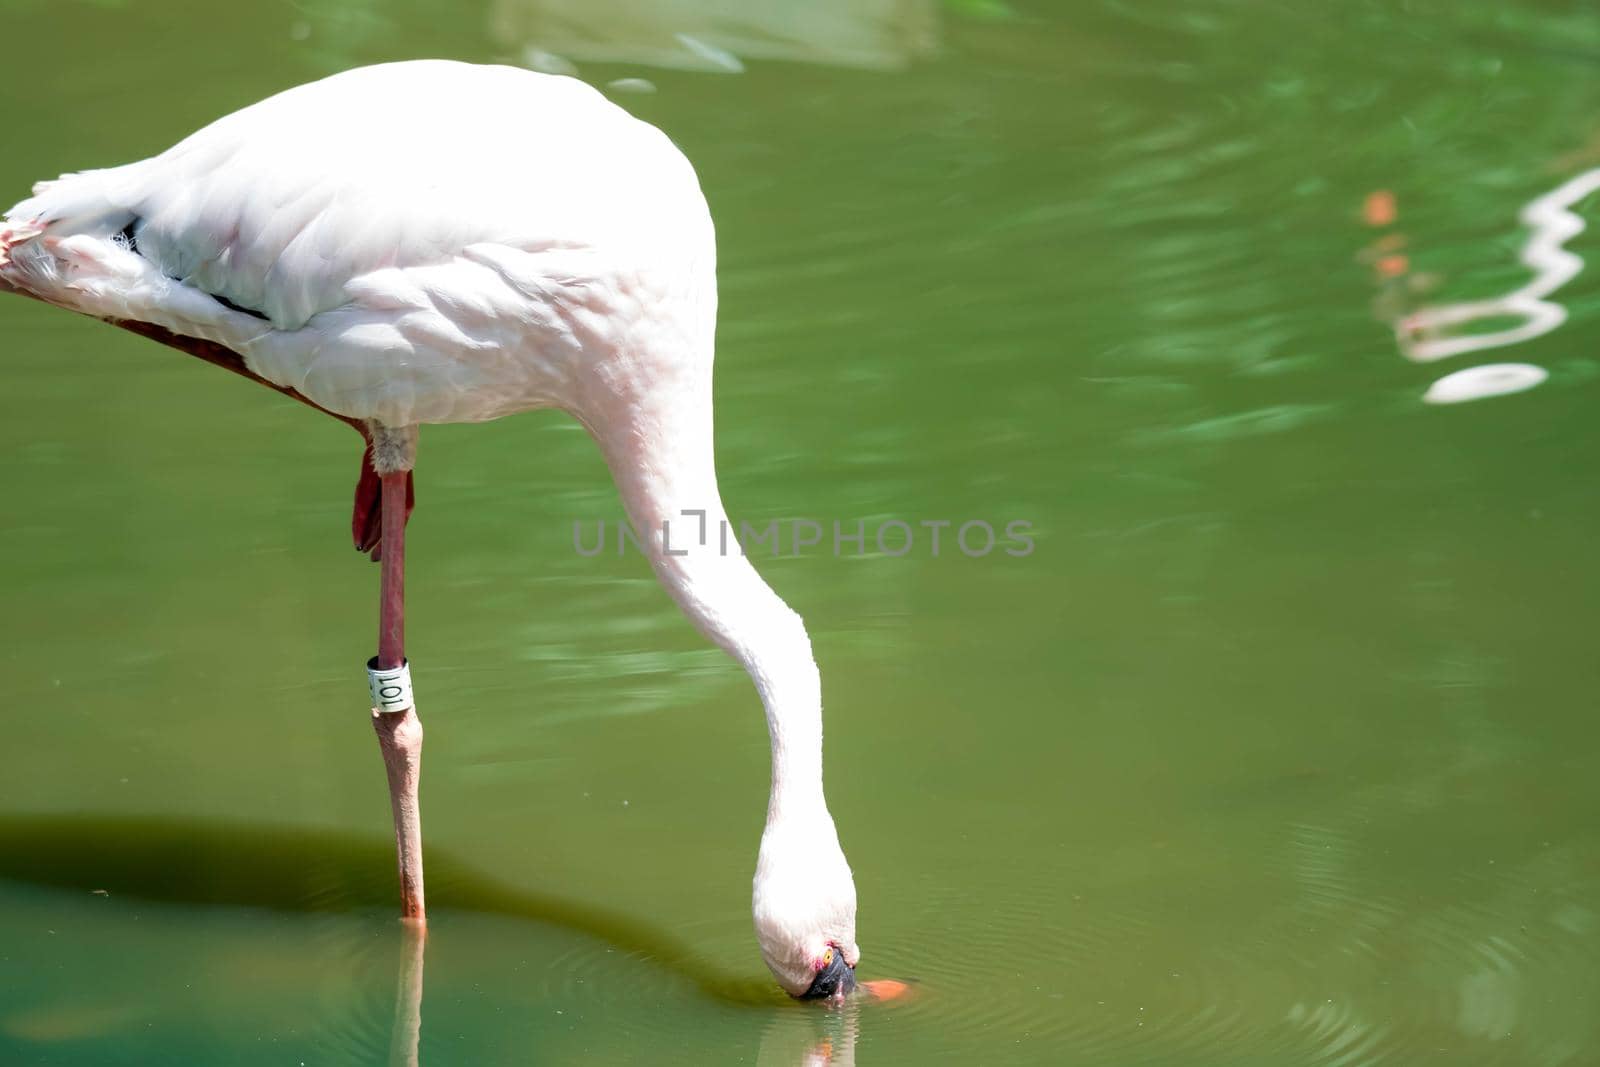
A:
{"points": [[433, 242]]}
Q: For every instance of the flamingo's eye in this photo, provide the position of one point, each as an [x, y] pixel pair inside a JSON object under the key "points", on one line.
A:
{"points": [[827, 958]]}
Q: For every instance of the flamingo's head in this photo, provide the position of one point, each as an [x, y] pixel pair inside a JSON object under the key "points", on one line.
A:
{"points": [[805, 908]]}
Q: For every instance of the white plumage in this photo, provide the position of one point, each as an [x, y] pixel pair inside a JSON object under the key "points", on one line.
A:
{"points": [[438, 242], [428, 241]]}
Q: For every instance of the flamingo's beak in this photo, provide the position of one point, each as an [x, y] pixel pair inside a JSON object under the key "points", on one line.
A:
{"points": [[884, 988], [834, 980]]}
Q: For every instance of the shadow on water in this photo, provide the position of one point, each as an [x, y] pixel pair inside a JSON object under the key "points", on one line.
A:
{"points": [[202, 863], [221, 864]]}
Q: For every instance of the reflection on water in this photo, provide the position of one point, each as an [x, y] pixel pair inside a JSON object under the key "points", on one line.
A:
{"points": [[1431, 333], [798, 1035], [406, 1037], [1439, 331], [717, 36], [814, 1036], [1477, 383]]}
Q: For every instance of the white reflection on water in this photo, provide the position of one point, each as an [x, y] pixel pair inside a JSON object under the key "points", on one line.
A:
{"points": [[718, 35], [1477, 383], [1428, 334], [812, 1035], [406, 1034]]}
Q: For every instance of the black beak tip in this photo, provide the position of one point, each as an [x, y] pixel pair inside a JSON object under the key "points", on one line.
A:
{"points": [[836, 979]]}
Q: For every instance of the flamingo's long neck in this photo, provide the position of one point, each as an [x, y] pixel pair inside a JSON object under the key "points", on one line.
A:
{"points": [[658, 443]]}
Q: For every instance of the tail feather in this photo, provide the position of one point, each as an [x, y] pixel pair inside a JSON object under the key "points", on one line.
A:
{"points": [[60, 244], [14, 235], [90, 201]]}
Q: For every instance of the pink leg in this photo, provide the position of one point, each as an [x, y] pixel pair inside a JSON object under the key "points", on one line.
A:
{"points": [[400, 732]]}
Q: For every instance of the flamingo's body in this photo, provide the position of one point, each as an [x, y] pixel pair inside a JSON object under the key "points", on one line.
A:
{"points": [[439, 242], [409, 243]]}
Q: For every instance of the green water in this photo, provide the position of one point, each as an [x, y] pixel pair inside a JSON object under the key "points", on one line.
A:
{"points": [[1279, 748]]}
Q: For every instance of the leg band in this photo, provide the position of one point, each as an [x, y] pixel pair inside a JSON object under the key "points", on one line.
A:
{"points": [[391, 686]]}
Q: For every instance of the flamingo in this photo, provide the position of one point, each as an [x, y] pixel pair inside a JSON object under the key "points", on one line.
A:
{"points": [[437, 242]]}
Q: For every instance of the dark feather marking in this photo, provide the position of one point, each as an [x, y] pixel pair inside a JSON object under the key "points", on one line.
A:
{"points": [[131, 240], [225, 302]]}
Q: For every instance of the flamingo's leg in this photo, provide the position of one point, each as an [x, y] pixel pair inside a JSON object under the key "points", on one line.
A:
{"points": [[399, 732]]}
